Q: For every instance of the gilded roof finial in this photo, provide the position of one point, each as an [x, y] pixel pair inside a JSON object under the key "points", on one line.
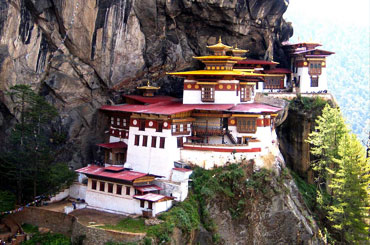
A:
{"points": [[148, 83], [236, 46], [219, 40]]}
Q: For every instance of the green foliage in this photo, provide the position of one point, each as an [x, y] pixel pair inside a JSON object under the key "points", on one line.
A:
{"points": [[7, 201], [26, 165], [308, 104], [28, 228], [48, 239], [324, 141], [60, 174], [308, 191], [350, 185], [130, 225]]}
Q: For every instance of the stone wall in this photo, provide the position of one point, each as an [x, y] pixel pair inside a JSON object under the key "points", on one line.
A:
{"points": [[71, 227]]}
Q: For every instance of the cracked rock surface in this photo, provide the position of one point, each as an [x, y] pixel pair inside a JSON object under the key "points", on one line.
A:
{"points": [[78, 54]]}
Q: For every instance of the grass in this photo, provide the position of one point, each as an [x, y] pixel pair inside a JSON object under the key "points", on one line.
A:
{"points": [[128, 224], [308, 191]]}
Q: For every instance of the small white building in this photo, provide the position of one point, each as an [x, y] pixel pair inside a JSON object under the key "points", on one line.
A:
{"points": [[116, 189], [308, 64]]}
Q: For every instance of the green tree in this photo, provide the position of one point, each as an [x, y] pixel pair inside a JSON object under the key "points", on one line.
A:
{"points": [[350, 186], [324, 142], [27, 161]]}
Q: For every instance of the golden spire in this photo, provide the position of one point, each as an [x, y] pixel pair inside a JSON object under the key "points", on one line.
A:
{"points": [[219, 40], [236, 45]]}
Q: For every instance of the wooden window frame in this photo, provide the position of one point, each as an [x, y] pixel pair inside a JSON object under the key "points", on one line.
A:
{"points": [[150, 205], [142, 125], [128, 190], [154, 141], [314, 82], [208, 93], [142, 203], [137, 140], [145, 141], [159, 126], [247, 125], [94, 184], [110, 188], [119, 190], [245, 93], [180, 142], [102, 186], [315, 68], [162, 142]]}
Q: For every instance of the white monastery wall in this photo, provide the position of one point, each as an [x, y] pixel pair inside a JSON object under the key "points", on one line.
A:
{"points": [[77, 190], [149, 159], [178, 190], [159, 207], [60, 196]]}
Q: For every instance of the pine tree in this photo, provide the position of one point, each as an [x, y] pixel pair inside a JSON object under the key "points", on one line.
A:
{"points": [[324, 142], [350, 186]]}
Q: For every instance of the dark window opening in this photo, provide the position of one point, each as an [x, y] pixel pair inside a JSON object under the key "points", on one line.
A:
{"points": [[119, 190], [145, 140], [110, 187], [159, 127], [128, 190], [137, 139], [142, 125], [142, 203], [150, 205], [208, 93], [93, 184], [180, 142], [154, 141], [246, 125], [162, 142], [102, 186]]}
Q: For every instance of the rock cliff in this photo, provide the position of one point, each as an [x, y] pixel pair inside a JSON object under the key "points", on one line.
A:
{"points": [[82, 54]]}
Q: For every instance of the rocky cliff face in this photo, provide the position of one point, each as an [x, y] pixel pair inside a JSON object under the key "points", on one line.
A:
{"points": [[78, 54]]}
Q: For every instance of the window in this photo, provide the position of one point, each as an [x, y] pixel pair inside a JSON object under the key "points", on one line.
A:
{"points": [[142, 125], [208, 93], [162, 142], [181, 127], [93, 184], [154, 141], [110, 187], [246, 125], [145, 140], [142, 203], [315, 68], [118, 121], [112, 120], [180, 142], [272, 83], [119, 190], [188, 127], [314, 81], [137, 139], [128, 190], [150, 205], [245, 93], [124, 122], [102, 186], [159, 127]]}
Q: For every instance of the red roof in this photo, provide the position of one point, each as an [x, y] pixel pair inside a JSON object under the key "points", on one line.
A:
{"points": [[114, 145], [254, 108], [99, 171], [150, 100], [278, 71], [147, 188], [152, 197], [322, 52], [182, 169], [114, 168], [256, 62]]}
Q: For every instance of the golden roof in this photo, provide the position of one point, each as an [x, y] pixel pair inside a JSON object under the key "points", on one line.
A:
{"points": [[218, 57], [216, 73], [148, 86], [219, 46], [237, 50]]}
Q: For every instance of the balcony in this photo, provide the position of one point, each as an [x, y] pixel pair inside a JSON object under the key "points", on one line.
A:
{"points": [[204, 129]]}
